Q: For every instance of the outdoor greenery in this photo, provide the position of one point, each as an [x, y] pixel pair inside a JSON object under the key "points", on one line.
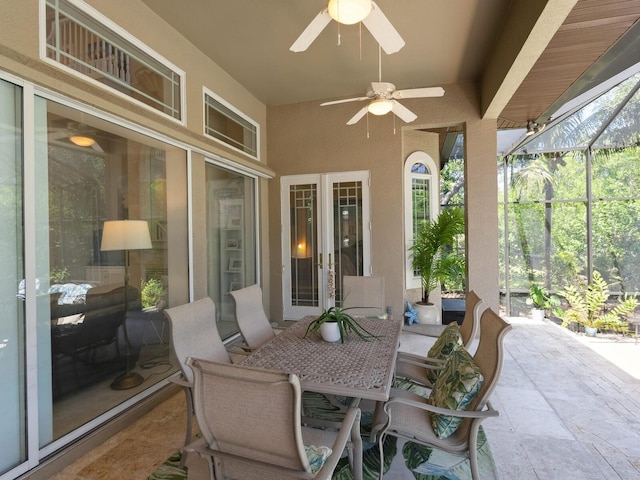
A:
{"points": [[589, 306], [571, 209]]}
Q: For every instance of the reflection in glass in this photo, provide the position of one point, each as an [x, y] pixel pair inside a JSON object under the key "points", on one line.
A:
{"points": [[231, 248], [118, 175]]}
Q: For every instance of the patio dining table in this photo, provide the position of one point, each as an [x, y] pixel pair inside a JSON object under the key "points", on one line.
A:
{"points": [[357, 368]]}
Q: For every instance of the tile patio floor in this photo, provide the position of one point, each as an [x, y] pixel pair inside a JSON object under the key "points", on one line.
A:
{"points": [[566, 412]]}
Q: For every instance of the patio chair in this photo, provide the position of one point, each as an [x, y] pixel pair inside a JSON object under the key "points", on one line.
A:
{"points": [[413, 417], [251, 426], [252, 320], [414, 367], [194, 334], [365, 292]]}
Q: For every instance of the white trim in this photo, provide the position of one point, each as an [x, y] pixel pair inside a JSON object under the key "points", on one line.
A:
{"points": [[30, 273], [116, 29], [218, 98], [434, 201], [190, 224]]}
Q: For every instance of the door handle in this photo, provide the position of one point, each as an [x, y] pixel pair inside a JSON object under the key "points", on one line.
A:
{"points": [[319, 264]]}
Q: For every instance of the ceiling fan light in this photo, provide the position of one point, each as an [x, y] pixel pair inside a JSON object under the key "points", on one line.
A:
{"points": [[380, 106], [349, 11], [81, 140]]}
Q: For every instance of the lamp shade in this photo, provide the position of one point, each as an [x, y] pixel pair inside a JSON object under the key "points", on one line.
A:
{"points": [[125, 235], [349, 11]]}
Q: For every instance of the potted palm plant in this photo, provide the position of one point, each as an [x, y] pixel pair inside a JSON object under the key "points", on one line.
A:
{"points": [[432, 260], [335, 324], [588, 307]]}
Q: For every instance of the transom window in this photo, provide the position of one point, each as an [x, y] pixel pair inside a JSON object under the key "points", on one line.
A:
{"points": [[80, 38], [226, 124]]}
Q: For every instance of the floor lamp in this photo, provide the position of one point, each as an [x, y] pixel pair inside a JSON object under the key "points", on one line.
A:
{"points": [[126, 235]]}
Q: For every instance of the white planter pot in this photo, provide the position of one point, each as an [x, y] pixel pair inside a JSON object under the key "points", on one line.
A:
{"points": [[537, 314], [330, 332], [428, 314]]}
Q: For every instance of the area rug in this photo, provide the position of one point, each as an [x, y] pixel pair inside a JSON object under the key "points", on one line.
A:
{"points": [[420, 462]]}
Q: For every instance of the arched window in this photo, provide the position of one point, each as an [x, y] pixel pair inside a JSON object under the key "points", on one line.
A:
{"points": [[421, 203]]}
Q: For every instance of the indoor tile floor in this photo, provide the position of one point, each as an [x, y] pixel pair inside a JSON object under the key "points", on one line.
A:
{"points": [[567, 411]]}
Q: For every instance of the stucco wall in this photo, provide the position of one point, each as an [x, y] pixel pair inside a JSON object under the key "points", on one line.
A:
{"points": [[307, 138]]}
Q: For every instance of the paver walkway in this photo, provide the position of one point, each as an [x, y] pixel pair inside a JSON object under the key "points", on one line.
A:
{"points": [[566, 411]]}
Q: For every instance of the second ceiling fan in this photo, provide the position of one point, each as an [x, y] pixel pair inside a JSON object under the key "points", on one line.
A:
{"points": [[349, 12], [383, 98]]}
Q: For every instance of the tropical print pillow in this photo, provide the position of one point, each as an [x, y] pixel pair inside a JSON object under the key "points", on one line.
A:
{"points": [[454, 389], [317, 456], [447, 342]]}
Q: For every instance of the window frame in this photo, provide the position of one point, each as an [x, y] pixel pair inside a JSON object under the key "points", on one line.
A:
{"points": [[208, 92], [127, 37], [433, 179]]}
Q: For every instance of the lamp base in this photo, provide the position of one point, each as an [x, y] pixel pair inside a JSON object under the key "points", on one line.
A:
{"points": [[127, 380]]}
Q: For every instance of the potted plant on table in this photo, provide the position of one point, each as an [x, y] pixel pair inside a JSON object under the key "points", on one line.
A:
{"points": [[432, 260], [542, 302], [335, 324], [588, 306]]}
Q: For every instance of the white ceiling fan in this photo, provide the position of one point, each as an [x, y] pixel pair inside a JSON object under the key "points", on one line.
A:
{"points": [[383, 98], [349, 12]]}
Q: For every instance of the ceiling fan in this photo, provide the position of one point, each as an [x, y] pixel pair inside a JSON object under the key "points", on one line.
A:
{"points": [[349, 12], [383, 98]]}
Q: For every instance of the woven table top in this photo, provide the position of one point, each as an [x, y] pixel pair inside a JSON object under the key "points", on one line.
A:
{"points": [[356, 368]]}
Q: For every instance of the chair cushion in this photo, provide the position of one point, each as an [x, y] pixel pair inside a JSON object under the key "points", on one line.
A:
{"points": [[447, 342], [454, 389], [317, 456]]}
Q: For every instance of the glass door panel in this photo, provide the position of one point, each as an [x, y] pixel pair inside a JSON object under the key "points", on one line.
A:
{"points": [[13, 437], [304, 240]]}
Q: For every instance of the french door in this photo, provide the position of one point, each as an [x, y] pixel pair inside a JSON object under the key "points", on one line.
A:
{"points": [[325, 235]]}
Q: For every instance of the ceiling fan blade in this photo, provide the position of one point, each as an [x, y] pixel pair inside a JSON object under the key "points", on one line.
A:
{"points": [[345, 100], [97, 148], [312, 31], [419, 92], [356, 118], [382, 30], [403, 112]]}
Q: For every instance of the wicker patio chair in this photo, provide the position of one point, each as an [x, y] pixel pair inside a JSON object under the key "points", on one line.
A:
{"points": [[251, 426], [409, 416]]}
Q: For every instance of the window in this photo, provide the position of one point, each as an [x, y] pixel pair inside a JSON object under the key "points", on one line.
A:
{"points": [[83, 40], [421, 203], [227, 125]]}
